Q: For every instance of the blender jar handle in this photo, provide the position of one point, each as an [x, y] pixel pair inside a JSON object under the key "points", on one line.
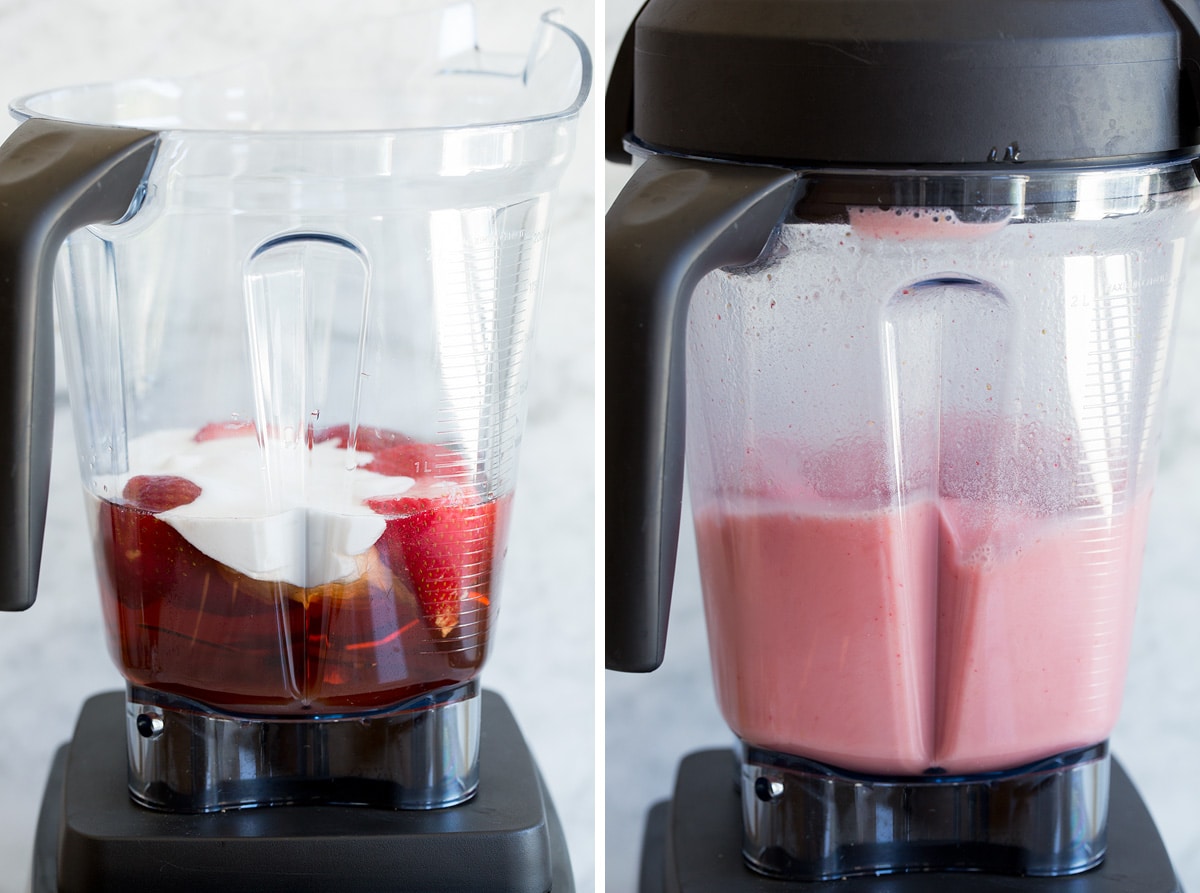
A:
{"points": [[676, 220], [55, 177]]}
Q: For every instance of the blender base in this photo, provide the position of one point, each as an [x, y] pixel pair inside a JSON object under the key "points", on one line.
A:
{"points": [[92, 837], [693, 844], [184, 757], [804, 820]]}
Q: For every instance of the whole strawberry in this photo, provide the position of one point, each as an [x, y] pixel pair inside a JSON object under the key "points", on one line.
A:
{"points": [[442, 546], [156, 493]]}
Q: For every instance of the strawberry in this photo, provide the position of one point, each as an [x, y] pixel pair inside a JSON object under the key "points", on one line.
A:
{"points": [[418, 460], [441, 546], [398, 455], [367, 440], [156, 493], [149, 559], [221, 430]]}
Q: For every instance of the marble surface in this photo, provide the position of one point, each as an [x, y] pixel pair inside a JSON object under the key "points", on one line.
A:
{"points": [[543, 661], [652, 720]]}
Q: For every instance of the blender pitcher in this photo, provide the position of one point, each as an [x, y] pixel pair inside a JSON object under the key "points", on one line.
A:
{"points": [[914, 285], [295, 302]]}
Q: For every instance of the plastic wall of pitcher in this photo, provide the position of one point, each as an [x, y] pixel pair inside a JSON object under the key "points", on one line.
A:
{"points": [[922, 443], [298, 372]]}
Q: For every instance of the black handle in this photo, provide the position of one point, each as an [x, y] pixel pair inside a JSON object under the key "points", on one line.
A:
{"points": [[675, 221], [55, 177]]}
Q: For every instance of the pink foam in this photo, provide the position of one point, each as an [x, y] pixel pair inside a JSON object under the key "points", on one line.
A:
{"points": [[920, 224]]}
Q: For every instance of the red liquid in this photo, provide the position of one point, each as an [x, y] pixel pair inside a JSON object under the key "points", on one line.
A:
{"points": [[181, 622]]}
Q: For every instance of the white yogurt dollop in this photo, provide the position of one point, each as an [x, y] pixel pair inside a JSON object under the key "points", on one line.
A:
{"points": [[280, 512]]}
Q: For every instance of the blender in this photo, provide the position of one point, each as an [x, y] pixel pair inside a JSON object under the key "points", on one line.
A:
{"points": [[900, 279], [300, 297]]}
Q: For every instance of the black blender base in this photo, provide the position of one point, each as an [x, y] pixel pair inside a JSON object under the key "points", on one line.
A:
{"points": [[91, 838], [693, 844]]}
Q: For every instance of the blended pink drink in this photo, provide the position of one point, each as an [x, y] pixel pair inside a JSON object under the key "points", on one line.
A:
{"points": [[821, 628], [942, 634]]}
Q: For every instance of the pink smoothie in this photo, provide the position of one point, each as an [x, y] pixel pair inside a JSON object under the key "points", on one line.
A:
{"points": [[944, 635]]}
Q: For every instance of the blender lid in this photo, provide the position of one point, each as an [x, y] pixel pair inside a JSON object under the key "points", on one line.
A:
{"points": [[909, 82]]}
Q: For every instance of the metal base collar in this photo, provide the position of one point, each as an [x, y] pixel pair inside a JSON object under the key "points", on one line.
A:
{"points": [[807, 821], [184, 757]]}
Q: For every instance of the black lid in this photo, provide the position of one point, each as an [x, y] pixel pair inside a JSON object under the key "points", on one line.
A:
{"points": [[909, 82]]}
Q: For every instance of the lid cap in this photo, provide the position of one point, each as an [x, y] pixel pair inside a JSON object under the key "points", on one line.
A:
{"points": [[913, 82]]}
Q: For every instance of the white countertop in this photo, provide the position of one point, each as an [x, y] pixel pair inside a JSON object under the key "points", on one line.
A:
{"points": [[652, 720], [543, 658]]}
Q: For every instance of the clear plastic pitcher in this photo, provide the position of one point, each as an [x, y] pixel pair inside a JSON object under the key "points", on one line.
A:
{"points": [[922, 447], [295, 330], [921, 437]]}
